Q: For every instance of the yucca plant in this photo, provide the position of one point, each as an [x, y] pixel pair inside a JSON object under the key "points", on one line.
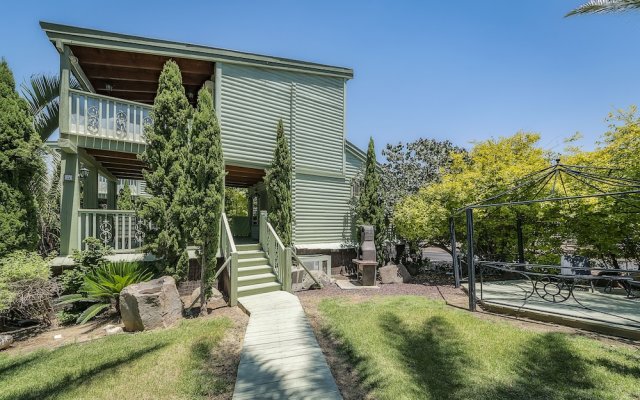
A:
{"points": [[103, 285]]}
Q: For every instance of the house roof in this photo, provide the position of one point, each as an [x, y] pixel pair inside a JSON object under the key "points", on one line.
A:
{"points": [[76, 36]]}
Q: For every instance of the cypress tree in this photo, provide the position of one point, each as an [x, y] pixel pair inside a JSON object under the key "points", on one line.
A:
{"points": [[369, 208], [278, 184], [165, 157], [19, 164], [125, 199], [202, 195]]}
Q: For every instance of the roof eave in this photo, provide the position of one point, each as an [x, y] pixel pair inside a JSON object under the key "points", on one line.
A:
{"points": [[70, 35]]}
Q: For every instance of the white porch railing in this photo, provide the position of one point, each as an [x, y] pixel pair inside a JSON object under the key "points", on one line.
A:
{"points": [[118, 229], [230, 255], [279, 256], [98, 116]]}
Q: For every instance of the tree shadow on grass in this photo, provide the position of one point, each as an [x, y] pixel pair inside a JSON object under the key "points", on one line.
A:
{"points": [[433, 355], [200, 379], [68, 382], [548, 367]]}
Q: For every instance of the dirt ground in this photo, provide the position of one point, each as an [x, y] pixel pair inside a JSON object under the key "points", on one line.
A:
{"points": [[438, 289]]}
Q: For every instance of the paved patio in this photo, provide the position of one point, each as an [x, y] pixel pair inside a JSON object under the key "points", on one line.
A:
{"points": [[597, 308], [280, 356]]}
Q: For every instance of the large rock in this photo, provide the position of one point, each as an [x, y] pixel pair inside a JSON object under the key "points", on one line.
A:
{"points": [[321, 277], [150, 305], [394, 274], [5, 341]]}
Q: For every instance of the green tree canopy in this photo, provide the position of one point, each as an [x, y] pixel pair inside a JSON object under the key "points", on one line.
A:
{"points": [[278, 184], [125, 199], [18, 166], [165, 157]]}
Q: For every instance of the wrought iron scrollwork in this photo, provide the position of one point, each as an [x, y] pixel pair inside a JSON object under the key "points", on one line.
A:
{"points": [[553, 290], [138, 231], [121, 124], [106, 231], [93, 120], [146, 121]]}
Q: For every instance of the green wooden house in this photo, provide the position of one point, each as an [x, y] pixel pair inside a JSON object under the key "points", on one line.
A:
{"points": [[102, 134]]}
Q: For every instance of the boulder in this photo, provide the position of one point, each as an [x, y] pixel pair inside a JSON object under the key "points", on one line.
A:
{"points": [[150, 305], [5, 341], [321, 277], [394, 274]]}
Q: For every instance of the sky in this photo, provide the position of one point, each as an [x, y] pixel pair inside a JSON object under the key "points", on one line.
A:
{"points": [[463, 70]]}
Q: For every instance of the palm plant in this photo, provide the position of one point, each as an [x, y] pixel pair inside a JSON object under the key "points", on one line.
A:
{"points": [[604, 6], [42, 92], [103, 285]]}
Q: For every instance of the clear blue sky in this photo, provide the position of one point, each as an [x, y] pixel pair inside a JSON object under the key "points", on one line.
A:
{"points": [[460, 70]]}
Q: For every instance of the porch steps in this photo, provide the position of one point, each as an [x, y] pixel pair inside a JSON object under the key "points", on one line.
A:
{"points": [[255, 275]]}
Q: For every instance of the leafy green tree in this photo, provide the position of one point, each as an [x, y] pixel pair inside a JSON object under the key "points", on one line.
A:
{"points": [[411, 166], [369, 207], [18, 143], [278, 184], [490, 168], [605, 6], [165, 157], [204, 189], [236, 202], [125, 199]]}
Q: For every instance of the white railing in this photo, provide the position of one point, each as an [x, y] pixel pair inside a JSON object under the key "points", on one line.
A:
{"points": [[119, 229], [98, 116], [230, 255], [278, 255]]}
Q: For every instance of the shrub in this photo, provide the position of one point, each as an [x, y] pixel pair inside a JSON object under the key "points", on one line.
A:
{"points": [[94, 254], [25, 287], [103, 285]]}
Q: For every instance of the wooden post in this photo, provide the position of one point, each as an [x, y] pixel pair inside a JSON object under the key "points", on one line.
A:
{"points": [[470, 261], [286, 284], [112, 187], [90, 192], [69, 203], [233, 280]]}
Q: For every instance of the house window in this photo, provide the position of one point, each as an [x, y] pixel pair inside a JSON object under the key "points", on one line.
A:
{"points": [[355, 188]]}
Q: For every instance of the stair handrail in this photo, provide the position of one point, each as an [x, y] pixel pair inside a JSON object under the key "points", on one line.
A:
{"points": [[278, 255], [230, 254]]}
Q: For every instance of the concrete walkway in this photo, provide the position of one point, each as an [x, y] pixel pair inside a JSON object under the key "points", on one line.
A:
{"points": [[280, 356]]}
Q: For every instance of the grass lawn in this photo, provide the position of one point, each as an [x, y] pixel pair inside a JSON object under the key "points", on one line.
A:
{"points": [[168, 364], [414, 348]]}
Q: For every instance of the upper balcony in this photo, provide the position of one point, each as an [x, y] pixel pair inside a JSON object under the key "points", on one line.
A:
{"points": [[96, 116]]}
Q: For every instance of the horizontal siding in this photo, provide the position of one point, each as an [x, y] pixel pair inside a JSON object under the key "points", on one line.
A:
{"points": [[254, 99], [252, 102], [353, 165], [322, 209]]}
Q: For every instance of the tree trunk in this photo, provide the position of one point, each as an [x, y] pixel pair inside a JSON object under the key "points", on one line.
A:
{"points": [[203, 266]]}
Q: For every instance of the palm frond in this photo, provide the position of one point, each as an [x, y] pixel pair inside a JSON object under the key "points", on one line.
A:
{"points": [[605, 6], [92, 312], [42, 93]]}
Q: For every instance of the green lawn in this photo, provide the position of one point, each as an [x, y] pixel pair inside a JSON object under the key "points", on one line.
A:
{"points": [[413, 348], [168, 364]]}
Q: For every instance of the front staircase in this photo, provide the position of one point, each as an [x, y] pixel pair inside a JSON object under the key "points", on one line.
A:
{"points": [[255, 274]]}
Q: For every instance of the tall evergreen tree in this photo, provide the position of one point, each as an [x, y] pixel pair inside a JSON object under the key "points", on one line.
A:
{"points": [[18, 166], [369, 209], [165, 156], [278, 183], [125, 199], [204, 190]]}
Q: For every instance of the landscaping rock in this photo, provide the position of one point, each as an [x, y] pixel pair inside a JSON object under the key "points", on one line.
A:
{"points": [[321, 277], [150, 305], [113, 330], [5, 341], [394, 274]]}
